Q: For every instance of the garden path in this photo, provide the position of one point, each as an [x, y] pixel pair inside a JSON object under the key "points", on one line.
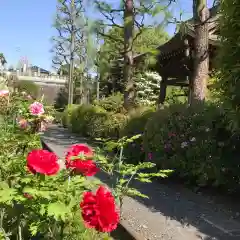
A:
{"points": [[170, 213]]}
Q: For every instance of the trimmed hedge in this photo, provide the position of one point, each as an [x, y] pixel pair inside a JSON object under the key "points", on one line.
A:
{"points": [[94, 121]]}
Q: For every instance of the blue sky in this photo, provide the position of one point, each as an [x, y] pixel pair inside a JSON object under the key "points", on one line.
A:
{"points": [[26, 29]]}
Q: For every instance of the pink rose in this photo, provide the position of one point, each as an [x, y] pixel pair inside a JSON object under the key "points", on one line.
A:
{"points": [[4, 93], [150, 156], [171, 134], [36, 109], [23, 123]]}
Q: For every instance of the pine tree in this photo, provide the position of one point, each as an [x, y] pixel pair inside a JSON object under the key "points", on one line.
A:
{"points": [[128, 16], [201, 51]]}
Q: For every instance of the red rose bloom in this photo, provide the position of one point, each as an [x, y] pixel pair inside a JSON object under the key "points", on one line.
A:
{"points": [[43, 162], [99, 211], [83, 162]]}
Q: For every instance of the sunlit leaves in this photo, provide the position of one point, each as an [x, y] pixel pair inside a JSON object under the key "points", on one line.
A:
{"points": [[58, 210], [7, 195]]}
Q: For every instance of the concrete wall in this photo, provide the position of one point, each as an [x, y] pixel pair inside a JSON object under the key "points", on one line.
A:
{"points": [[50, 92], [49, 86]]}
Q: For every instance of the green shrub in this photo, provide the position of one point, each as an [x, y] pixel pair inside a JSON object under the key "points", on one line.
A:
{"points": [[137, 120], [66, 116], [116, 122], [113, 103], [135, 124], [84, 116], [58, 116], [28, 87], [195, 143], [61, 99], [94, 121], [176, 95]]}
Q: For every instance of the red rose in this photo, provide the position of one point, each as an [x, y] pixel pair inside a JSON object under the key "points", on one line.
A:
{"points": [[83, 162], [43, 162], [99, 211]]}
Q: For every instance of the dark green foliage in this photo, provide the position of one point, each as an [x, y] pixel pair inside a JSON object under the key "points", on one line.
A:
{"points": [[137, 120], [110, 70], [28, 87], [66, 115], [176, 95], [61, 100], [228, 59], [196, 144], [135, 125]]}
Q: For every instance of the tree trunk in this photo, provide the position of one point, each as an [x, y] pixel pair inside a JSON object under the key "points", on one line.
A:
{"points": [[81, 89], [97, 89], [71, 65], [129, 91], [201, 51]]}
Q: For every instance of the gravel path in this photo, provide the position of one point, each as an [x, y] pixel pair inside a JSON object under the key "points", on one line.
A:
{"points": [[170, 213]]}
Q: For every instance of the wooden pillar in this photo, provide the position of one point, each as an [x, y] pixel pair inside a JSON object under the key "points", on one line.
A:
{"points": [[163, 90]]}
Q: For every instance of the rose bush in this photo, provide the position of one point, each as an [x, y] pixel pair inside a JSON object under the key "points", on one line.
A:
{"points": [[40, 195]]}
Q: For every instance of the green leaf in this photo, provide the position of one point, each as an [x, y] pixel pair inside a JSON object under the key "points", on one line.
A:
{"points": [[7, 195], [135, 192], [26, 180], [34, 228], [42, 209], [58, 210], [47, 194], [122, 181], [146, 180]]}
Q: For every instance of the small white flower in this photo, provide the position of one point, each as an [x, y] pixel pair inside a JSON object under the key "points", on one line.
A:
{"points": [[207, 129], [193, 139], [184, 144]]}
